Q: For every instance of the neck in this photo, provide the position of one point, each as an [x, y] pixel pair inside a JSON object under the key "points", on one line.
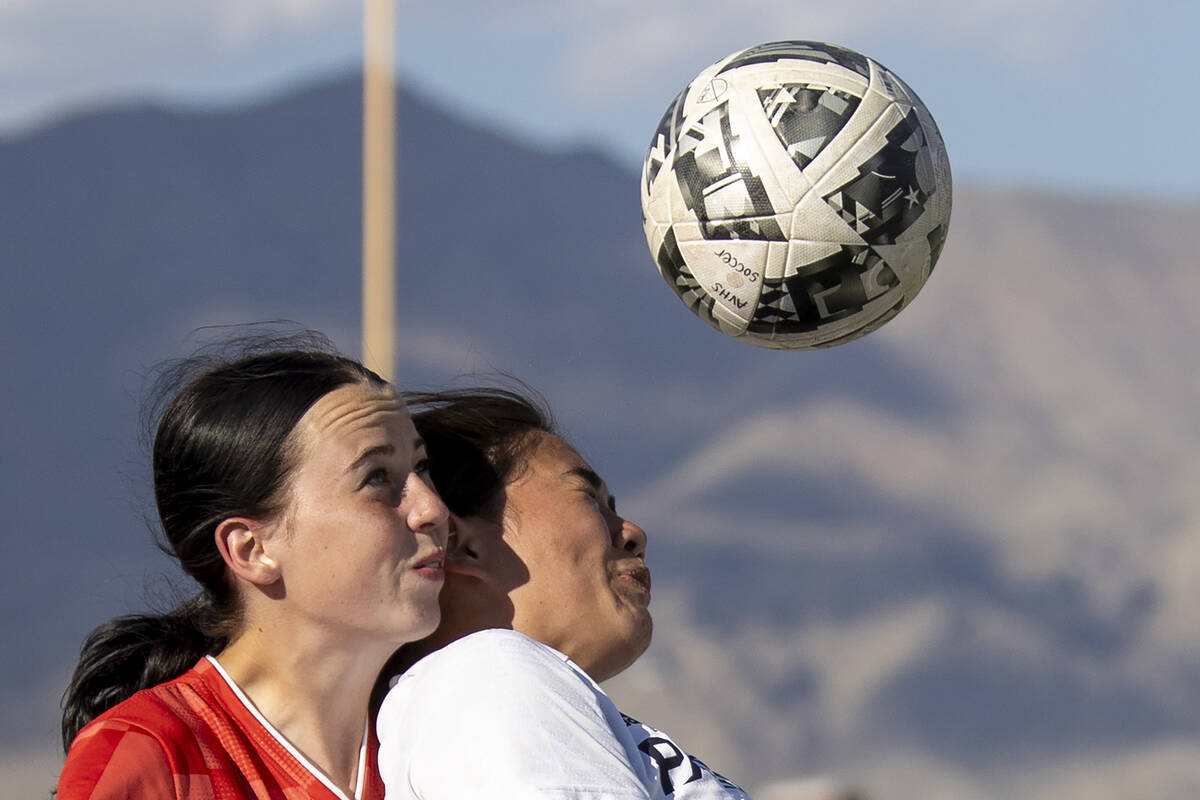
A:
{"points": [[446, 633], [467, 606], [316, 695]]}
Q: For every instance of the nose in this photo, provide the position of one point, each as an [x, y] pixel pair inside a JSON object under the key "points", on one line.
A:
{"points": [[426, 512], [632, 539]]}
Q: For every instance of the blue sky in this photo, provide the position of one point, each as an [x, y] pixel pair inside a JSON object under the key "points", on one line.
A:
{"points": [[1080, 96]]}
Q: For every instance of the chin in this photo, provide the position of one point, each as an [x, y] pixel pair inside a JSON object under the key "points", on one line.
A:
{"points": [[422, 623], [633, 645], [644, 635]]}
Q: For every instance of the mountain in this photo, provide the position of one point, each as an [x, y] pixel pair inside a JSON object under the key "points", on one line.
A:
{"points": [[955, 558]]}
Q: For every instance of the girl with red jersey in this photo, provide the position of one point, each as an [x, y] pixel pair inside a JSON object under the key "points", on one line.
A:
{"points": [[293, 487]]}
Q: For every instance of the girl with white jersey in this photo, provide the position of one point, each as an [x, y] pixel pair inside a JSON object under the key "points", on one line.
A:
{"points": [[546, 593]]}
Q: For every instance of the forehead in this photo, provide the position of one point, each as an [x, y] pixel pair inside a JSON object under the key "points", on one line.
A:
{"points": [[553, 459], [350, 414]]}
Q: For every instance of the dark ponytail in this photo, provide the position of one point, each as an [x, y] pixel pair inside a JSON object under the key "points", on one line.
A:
{"points": [[128, 654], [220, 450]]}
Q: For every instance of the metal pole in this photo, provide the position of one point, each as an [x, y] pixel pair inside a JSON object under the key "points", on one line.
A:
{"points": [[379, 187]]}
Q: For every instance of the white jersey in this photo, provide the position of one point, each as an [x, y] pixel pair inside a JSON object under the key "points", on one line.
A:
{"points": [[496, 714]]}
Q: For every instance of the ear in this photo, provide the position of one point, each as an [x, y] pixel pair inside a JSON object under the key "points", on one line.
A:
{"points": [[472, 540], [242, 543]]}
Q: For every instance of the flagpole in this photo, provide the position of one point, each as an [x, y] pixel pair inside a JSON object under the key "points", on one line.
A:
{"points": [[379, 187]]}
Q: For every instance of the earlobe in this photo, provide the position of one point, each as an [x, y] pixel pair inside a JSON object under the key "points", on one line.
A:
{"points": [[243, 546]]}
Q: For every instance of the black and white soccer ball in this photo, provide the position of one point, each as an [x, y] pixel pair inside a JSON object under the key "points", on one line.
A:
{"points": [[796, 195]]}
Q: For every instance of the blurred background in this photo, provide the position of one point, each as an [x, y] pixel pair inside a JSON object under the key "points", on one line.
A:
{"points": [[959, 558]]}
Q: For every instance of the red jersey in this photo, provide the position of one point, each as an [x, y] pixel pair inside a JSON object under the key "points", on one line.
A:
{"points": [[196, 738]]}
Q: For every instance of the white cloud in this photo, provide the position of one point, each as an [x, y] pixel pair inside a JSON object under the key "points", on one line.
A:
{"points": [[857, 659], [56, 52], [240, 23], [443, 352], [617, 43]]}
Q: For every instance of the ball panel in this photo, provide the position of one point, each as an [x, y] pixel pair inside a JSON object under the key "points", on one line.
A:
{"points": [[816, 220], [731, 272], [826, 76], [724, 192], [820, 52], [863, 135], [936, 239], [807, 257], [884, 197], [806, 117], [664, 140], [777, 260], [679, 277]]}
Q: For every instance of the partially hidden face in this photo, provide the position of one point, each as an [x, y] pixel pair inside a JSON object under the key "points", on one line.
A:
{"points": [[587, 591], [364, 533]]}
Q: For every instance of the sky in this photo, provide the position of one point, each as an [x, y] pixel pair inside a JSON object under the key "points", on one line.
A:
{"points": [[1088, 97]]}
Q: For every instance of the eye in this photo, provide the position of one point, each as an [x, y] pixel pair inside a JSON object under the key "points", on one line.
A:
{"points": [[600, 501], [378, 477], [422, 467]]}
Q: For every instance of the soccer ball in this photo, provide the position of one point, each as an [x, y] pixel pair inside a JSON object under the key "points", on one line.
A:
{"points": [[796, 195]]}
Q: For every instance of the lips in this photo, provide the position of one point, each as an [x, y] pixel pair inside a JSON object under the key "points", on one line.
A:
{"points": [[638, 575], [434, 562]]}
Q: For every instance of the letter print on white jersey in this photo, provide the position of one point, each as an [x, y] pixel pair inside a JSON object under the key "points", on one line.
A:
{"points": [[680, 776]]}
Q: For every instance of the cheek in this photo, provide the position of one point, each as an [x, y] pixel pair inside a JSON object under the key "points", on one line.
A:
{"points": [[570, 559], [350, 554], [363, 582]]}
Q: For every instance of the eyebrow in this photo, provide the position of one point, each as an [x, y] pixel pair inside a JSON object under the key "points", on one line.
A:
{"points": [[382, 450]]}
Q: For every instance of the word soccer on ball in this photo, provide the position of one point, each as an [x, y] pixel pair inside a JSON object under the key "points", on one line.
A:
{"points": [[796, 195]]}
